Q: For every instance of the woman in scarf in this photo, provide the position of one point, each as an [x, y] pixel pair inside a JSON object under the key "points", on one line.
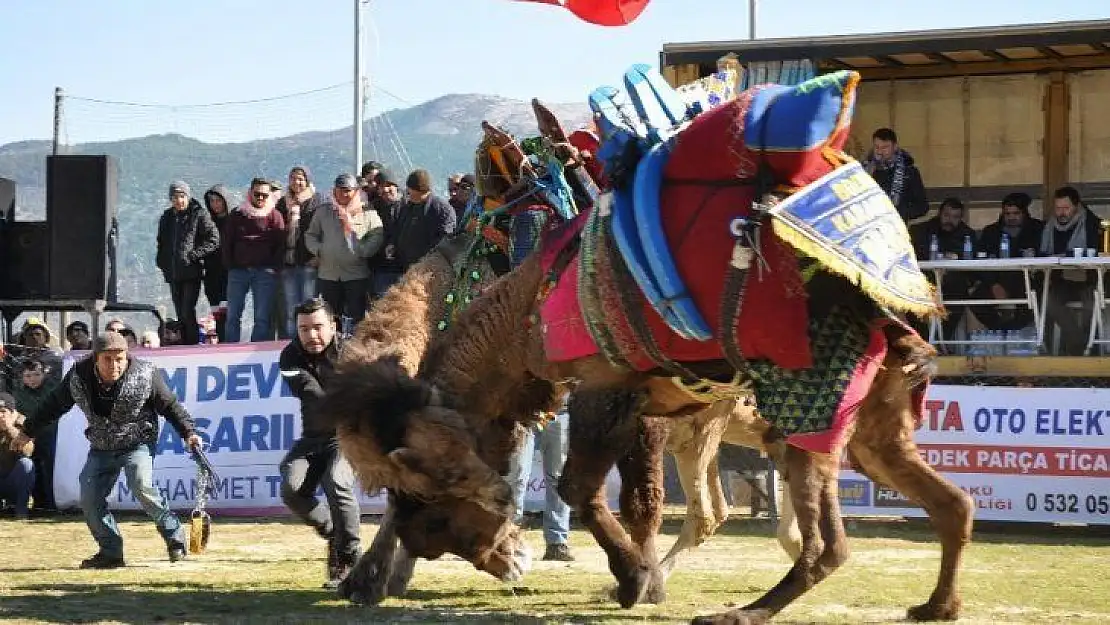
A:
{"points": [[298, 276], [343, 234]]}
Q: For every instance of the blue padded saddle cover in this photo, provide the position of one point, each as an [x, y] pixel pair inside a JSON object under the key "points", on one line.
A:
{"points": [[646, 192], [623, 227], [658, 105]]}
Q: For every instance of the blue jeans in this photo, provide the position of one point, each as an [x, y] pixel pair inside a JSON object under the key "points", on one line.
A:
{"points": [[15, 487], [97, 479], [298, 284], [261, 283], [552, 442]]}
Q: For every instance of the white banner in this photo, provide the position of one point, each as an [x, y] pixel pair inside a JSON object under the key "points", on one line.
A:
{"points": [[1023, 454], [248, 420]]}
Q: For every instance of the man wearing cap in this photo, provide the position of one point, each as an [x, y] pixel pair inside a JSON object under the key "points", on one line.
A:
{"points": [[385, 268], [121, 398], [344, 235], [425, 219], [17, 471]]}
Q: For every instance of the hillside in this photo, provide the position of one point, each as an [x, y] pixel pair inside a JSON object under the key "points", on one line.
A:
{"points": [[439, 135]]}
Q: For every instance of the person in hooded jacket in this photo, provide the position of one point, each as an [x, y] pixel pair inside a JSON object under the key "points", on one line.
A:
{"points": [[298, 277], [218, 201], [1024, 236], [186, 236], [893, 168]]}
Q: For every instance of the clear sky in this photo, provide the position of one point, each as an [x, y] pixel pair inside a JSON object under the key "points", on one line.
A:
{"points": [[204, 51]]}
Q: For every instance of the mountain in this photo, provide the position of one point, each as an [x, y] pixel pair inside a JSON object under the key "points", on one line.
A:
{"points": [[439, 135]]}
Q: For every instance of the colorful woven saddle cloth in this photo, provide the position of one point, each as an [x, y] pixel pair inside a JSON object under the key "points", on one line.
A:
{"points": [[684, 188]]}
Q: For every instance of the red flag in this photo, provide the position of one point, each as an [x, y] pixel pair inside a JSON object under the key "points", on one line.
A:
{"points": [[601, 12]]}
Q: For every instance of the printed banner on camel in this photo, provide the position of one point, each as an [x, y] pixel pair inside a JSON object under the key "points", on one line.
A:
{"points": [[1023, 454], [248, 420]]}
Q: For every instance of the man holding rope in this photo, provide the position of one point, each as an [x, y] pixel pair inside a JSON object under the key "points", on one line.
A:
{"points": [[122, 398]]}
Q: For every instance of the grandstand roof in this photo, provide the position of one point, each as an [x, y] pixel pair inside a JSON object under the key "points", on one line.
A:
{"points": [[980, 50]]}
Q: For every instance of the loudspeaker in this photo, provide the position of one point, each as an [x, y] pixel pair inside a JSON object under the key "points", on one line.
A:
{"points": [[81, 194], [25, 259], [7, 200]]}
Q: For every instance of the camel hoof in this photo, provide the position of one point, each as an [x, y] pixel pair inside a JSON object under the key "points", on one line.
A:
{"points": [[633, 589], [366, 584], [735, 617], [521, 564], [949, 611]]}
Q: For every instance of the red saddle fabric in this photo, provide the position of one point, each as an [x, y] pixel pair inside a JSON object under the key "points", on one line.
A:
{"points": [[702, 193], [565, 335]]}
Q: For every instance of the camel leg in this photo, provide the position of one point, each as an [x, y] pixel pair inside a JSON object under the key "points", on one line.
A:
{"points": [[404, 565], [706, 507], [641, 497], [883, 448], [368, 581], [814, 488], [603, 427], [787, 531]]}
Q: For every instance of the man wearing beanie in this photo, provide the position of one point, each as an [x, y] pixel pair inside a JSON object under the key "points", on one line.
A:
{"points": [[425, 219], [385, 268], [122, 398], [186, 235]]}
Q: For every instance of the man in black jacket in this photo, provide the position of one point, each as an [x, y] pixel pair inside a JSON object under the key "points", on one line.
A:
{"points": [[186, 235], [122, 398], [894, 170], [1023, 233], [306, 364], [423, 222], [385, 265], [951, 232]]}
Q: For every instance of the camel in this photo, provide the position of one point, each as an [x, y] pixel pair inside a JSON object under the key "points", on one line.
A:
{"points": [[419, 432], [408, 319]]}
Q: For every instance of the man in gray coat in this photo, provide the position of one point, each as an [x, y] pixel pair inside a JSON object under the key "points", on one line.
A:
{"points": [[343, 236]]}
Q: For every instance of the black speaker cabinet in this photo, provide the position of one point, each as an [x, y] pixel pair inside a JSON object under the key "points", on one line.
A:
{"points": [[25, 260], [81, 194], [7, 199]]}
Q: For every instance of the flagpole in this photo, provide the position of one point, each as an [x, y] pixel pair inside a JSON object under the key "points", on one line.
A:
{"points": [[358, 85], [751, 19]]}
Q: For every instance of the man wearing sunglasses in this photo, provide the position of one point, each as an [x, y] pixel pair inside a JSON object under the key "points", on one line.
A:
{"points": [[254, 251]]}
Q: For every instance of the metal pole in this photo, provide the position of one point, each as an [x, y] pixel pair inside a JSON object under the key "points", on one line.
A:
{"points": [[751, 19], [358, 84], [59, 96]]}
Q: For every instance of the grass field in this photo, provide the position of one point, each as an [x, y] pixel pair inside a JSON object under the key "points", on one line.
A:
{"points": [[269, 571]]}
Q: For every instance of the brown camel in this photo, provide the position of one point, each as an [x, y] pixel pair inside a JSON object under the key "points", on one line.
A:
{"points": [[497, 349], [405, 322]]}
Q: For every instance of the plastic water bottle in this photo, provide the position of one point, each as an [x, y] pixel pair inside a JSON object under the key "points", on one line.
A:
{"points": [[934, 248], [968, 250], [1004, 246]]}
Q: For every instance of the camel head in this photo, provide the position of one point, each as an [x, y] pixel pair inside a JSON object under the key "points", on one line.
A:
{"points": [[399, 433]]}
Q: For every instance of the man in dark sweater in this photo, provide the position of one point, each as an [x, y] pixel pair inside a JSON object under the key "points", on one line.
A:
{"points": [[122, 398], [386, 268], [314, 460], [1023, 233], [253, 252], [423, 222], [186, 236], [951, 231]]}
